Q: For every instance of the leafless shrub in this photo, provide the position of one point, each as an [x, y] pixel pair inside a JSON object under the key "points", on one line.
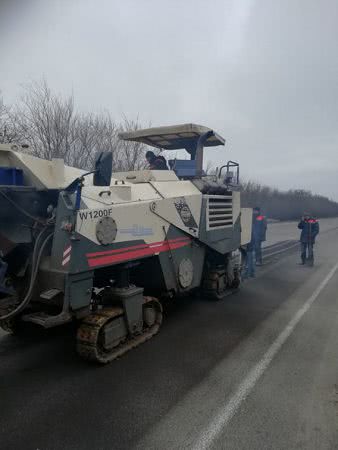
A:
{"points": [[7, 131], [53, 129], [131, 153], [45, 121]]}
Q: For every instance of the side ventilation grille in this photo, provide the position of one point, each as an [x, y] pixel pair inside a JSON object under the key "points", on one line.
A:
{"points": [[219, 211]]}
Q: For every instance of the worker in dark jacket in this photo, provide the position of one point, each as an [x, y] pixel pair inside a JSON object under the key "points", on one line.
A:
{"points": [[259, 227], [156, 162], [310, 229]]}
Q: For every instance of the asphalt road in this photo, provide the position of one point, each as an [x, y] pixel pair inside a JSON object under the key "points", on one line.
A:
{"points": [[257, 371]]}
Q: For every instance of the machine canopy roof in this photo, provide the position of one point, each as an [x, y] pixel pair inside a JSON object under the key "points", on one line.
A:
{"points": [[173, 137]]}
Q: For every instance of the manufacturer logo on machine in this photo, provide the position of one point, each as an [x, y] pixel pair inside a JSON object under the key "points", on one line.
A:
{"points": [[185, 213], [137, 230]]}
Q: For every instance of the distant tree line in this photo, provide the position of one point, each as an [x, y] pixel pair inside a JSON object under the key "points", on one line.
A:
{"points": [[286, 205], [53, 128]]}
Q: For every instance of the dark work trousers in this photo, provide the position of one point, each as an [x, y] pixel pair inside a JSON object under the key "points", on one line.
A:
{"points": [[258, 252], [249, 270], [306, 251]]}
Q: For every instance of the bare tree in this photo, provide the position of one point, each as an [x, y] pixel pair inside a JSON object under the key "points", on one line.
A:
{"points": [[96, 133], [92, 134], [7, 130], [131, 154], [45, 121], [286, 205], [53, 129]]}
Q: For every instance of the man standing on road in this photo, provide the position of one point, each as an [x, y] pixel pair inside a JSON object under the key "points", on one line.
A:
{"points": [[259, 233], [310, 229]]}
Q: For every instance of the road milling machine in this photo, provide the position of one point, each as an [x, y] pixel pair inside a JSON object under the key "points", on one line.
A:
{"points": [[104, 249]]}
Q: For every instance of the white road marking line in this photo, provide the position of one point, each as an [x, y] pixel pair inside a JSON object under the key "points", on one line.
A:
{"points": [[223, 417]]}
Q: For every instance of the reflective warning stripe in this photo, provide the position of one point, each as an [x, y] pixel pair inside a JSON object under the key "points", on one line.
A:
{"points": [[134, 252], [66, 255], [67, 250]]}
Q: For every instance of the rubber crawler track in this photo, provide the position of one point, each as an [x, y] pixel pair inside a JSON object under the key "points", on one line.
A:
{"points": [[213, 285], [88, 345]]}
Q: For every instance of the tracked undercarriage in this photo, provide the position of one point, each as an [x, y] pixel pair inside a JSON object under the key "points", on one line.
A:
{"points": [[103, 336], [216, 283]]}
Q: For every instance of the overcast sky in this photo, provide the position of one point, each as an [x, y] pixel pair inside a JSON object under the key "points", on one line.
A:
{"points": [[262, 73]]}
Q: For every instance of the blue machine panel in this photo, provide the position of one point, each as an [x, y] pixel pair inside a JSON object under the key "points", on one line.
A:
{"points": [[184, 168], [11, 176]]}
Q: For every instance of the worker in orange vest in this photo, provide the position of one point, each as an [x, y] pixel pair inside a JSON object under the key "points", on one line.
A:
{"points": [[259, 233]]}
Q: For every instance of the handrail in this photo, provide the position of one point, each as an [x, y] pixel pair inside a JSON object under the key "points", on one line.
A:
{"points": [[228, 165]]}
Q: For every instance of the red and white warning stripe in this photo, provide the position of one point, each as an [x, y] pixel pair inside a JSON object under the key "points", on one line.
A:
{"points": [[117, 255], [67, 255]]}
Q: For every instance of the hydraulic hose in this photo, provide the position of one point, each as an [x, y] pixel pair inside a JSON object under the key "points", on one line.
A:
{"points": [[35, 267]]}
